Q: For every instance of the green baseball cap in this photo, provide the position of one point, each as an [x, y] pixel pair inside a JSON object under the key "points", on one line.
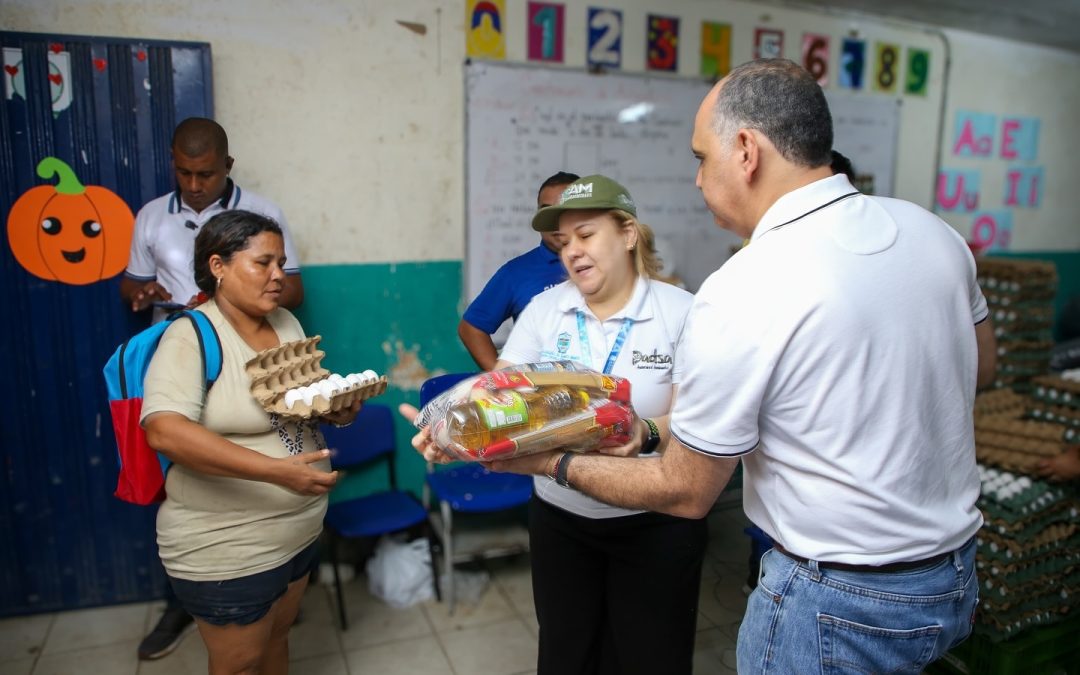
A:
{"points": [[590, 192]]}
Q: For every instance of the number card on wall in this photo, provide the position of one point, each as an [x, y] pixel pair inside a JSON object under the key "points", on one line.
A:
{"points": [[768, 43], [715, 49], [852, 64], [918, 71], [546, 32], [886, 65], [605, 37], [662, 45], [815, 56], [484, 36]]}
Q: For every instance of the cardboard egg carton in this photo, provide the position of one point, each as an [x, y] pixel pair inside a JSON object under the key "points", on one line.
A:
{"points": [[296, 364], [1002, 402], [1027, 429]]}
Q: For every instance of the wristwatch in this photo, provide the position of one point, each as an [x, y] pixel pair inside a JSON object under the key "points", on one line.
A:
{"points": [[561, 468], [653, 441]]}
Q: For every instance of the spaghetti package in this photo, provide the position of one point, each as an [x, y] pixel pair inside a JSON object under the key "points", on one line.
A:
{"points": [[530, 408]]}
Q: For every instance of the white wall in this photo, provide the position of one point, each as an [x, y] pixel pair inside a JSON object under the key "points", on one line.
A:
{"points": [[354, 124], [1011, 79]]}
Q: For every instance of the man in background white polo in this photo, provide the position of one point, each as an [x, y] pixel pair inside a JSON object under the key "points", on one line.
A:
{"points": [[159, 270]]}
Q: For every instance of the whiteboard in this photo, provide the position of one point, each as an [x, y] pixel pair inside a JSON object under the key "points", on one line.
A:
{"points": [[525, 123], [865, 130]]}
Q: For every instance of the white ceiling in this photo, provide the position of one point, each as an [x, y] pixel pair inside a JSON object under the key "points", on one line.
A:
{"points": [[1054, 23]]}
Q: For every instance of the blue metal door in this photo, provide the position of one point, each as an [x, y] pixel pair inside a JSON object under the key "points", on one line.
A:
{"points": [[107, 108]]}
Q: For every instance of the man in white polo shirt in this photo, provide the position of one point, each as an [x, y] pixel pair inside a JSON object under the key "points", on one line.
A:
{"points": [[838, 355], [159, 271]]}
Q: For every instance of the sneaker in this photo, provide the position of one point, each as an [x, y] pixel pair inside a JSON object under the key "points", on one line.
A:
{"points": [[174, 624]]}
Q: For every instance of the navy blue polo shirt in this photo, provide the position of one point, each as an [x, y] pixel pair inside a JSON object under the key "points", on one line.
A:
{"points": [[513, 286]]}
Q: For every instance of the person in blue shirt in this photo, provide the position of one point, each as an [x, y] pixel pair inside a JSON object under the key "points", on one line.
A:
{"points": [[514, 284]]}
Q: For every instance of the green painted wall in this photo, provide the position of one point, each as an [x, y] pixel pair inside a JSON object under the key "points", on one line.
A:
{"points": [[399, 320]]}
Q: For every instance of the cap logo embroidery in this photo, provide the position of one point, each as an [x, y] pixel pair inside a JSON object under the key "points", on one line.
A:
{"points": [[576, 191]]}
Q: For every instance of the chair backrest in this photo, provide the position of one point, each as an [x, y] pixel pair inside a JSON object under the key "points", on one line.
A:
{"points": [[370, 437], [434, 386]]}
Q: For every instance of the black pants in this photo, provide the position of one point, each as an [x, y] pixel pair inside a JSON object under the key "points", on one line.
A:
{"points": [[615, 596]]}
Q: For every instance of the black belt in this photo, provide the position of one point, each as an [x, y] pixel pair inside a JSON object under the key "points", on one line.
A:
{"points": [[886, 568]]}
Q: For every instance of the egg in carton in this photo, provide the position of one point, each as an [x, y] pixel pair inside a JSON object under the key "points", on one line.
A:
{"points": [[289, 380]]}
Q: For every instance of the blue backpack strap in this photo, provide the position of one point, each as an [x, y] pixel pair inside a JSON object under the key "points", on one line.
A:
{"points": [[209, 343]]}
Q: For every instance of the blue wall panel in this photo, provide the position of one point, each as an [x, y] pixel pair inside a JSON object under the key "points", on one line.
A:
{"points": [[65, 541]]}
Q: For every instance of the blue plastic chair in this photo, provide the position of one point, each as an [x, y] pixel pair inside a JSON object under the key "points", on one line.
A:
{"points": [[467, 487], [368, 440]]}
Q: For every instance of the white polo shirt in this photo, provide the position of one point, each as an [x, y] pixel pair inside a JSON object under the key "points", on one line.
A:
{"points": [[163, 244], [547, 330], [837, 353]]}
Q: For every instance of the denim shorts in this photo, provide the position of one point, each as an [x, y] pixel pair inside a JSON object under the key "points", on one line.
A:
{"points": [[243, 600], [806, 619]]}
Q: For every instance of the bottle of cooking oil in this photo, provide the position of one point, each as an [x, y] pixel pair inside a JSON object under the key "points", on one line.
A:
{"points": [[529, 408], [497, 415]]}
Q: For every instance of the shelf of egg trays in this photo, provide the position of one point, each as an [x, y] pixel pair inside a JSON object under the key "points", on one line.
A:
{"points": [[1020, 297], [1028, 554], [289, 380]]}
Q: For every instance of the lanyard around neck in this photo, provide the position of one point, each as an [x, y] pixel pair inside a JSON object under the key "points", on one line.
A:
{"points": [[620, 339]]}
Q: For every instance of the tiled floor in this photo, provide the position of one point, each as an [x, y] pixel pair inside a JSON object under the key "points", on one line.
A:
{"points": [[494, 636]]}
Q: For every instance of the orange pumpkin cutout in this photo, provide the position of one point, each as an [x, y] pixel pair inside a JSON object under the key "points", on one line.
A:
{"points": [[67, 232]]}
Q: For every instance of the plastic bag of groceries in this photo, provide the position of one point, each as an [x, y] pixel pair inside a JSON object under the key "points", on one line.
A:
{"points": [[530, 408]]}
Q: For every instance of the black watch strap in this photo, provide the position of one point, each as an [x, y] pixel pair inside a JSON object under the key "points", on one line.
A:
{"points": [[653, 441], [560, 471]]}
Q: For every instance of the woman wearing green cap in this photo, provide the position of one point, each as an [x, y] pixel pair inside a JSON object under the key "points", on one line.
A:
{"points": [[616, 590]]}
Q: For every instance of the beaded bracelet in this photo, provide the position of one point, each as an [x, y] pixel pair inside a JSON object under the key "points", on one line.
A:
{"points": [[555, 469]]}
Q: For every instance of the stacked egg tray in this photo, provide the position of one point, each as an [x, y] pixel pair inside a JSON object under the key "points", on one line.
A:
{"points": [[1020, 297], [291, 365], [1028, 553], [1001, 402], [1018, 444], [1057, 400]]}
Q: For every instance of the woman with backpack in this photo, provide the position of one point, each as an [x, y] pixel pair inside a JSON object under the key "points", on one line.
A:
{"points": [[247, 491]]}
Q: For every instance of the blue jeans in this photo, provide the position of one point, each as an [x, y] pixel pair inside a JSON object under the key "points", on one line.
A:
{"points": [[803, 619]]}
